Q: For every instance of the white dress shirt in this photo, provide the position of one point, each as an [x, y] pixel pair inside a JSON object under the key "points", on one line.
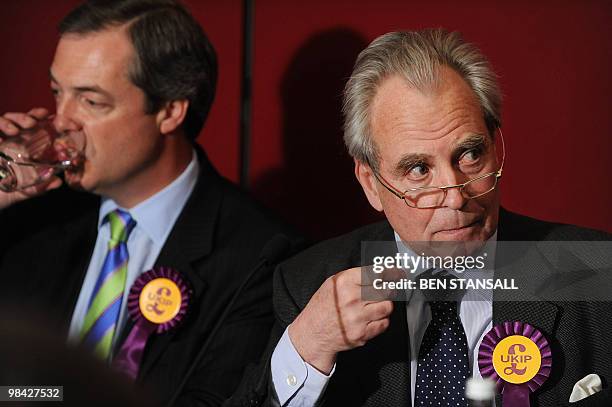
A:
{"points": [[297, 383], [155, 218]]}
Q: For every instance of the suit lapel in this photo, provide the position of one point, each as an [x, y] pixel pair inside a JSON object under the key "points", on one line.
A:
{"points": [[542, 315], [191, 239], [74, 255]]}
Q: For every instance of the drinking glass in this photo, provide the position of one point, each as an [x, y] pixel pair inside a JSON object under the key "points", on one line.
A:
{"points": [[37, 154]]}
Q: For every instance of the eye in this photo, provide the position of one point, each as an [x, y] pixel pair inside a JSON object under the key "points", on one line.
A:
{"points": [[94, 104], [470, 157], [55, 92], [418, 171]]}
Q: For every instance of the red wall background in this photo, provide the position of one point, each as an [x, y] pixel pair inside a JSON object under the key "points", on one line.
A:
{"points": [[554, 59]]}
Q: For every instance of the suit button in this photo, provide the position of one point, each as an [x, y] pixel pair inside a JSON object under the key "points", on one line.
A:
{"points": [[291, 380]]}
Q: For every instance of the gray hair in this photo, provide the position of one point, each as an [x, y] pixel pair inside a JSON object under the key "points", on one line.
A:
{"points": [[417, 57]]}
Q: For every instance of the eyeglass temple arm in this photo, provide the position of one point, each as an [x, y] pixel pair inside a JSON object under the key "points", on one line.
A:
{"points": [[385, 184], [501, 167]]}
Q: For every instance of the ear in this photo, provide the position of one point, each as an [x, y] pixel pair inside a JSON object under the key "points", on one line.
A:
{"points": [[368, 182], [171, 115]]}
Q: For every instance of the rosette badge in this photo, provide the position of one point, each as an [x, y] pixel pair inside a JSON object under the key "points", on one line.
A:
{"points": [[518, 358], [157, 303]]}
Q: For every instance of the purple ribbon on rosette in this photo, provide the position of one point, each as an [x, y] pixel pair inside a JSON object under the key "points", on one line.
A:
{"points": [[514, 395], [130, 355]]}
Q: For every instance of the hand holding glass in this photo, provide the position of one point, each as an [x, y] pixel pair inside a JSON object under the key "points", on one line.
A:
{"points": [[37, 154]]}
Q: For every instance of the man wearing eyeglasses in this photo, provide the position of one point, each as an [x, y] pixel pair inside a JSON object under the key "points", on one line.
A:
{"points": [[422, 122]]}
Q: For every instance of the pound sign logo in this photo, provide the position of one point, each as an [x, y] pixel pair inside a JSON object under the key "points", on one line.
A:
{"points": [[160, 300], [516, 359]]}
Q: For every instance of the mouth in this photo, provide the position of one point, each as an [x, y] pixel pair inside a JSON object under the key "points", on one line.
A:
{"points": [[466, 229], [74, 172]]}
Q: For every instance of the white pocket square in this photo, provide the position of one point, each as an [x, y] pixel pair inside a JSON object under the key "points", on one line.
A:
{"points": [[588, 385]]}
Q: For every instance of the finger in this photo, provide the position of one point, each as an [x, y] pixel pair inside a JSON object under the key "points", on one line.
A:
{"points": [[55, 183], [368, 276], [352, 276], [375, 328], [393, 274], [39, 113], [23, 120], [11, 198], [388, 274], [8, 128], [343, 279], [378, 310], [379, 290]]}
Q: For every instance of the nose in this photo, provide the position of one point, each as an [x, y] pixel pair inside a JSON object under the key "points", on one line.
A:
{"points": [[454, 197], [65, 119]]}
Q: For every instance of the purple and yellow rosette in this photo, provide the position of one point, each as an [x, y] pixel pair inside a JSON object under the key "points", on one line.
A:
{"points": [[518, 358], [157, 303]]}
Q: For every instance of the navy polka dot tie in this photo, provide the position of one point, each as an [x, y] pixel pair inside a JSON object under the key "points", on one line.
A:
{"points": [[443, 365]]}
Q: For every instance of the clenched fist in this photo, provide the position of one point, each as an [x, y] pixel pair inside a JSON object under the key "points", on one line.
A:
{"points": [[337, 319]]}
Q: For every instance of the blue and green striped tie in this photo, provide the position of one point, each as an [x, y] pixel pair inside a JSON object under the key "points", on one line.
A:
{"points": [[100, 323]]}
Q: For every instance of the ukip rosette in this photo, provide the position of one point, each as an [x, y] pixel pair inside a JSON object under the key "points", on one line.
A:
{"points": [[518, 358], [158, 302]]}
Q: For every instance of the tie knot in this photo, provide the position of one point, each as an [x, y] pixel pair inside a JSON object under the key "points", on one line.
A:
{"points": [[121, 225]]}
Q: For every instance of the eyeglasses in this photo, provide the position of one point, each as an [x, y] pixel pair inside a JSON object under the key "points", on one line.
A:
{"points": [[433, 197]]}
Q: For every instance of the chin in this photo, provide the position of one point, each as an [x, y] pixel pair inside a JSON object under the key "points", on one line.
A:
{"points": [[80, 181], [73, 180], [459, 242]]}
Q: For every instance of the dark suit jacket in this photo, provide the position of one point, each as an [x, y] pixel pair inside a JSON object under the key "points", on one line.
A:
{"points": [[46, 246], [378, 374]]}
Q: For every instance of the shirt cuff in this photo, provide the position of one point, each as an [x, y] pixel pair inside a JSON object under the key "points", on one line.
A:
{"points": [[295, 381]]}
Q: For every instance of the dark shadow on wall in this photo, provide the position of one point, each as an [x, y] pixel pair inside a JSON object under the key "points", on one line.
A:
{"points": [[316, 189]]}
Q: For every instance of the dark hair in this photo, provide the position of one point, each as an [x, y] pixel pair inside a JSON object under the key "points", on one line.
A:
{"points": [[174, 59]]}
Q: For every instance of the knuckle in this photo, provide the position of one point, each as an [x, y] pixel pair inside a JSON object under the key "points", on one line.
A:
{"points": [[328, 285], [16, 115], [8, 125], [384, 324], [332, 280], [352, 338], [388, 307], [355, 331], [349, 297], [363, 338], [357, 338], [340, 278]]}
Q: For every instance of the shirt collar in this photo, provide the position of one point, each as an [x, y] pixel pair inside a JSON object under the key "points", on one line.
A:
{"points": [[156, 215]]}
